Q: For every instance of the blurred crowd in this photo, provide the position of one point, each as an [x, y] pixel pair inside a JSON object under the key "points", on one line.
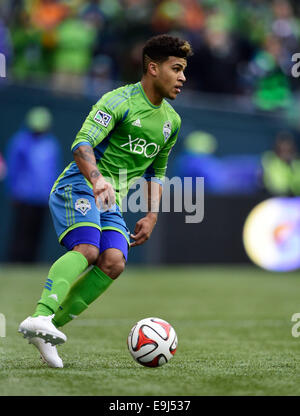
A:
{"points": [[241, 47]]}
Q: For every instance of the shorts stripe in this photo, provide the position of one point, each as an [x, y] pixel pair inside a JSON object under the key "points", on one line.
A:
{"points": [[70, 217], [66, 208], [71, 206]]}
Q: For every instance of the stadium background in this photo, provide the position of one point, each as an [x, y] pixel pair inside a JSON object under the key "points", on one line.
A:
{"points": [[239, 89]]}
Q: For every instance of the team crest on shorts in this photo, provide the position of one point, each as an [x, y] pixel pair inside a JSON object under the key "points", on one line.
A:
{"points": [[167, 130], [83, 205], [102, 118]]}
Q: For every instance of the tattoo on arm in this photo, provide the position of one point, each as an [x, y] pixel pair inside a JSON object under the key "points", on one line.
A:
{"points": [[95, 174], [86, 154]]}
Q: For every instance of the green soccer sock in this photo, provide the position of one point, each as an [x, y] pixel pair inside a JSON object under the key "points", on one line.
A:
{"points": [[88, 288], [60, 278]]}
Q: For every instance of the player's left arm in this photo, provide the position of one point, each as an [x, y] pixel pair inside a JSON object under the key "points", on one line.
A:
{"points": [[154, 175], [145, 225]]}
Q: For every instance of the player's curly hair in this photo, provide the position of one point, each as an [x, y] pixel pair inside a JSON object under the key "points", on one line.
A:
{"points": [[160, 47]]}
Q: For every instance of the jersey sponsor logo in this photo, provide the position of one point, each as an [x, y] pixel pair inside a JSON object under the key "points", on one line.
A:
{"points": [[167, 130], [137, 123], [83, 205], [141, 147], [102, 118]]}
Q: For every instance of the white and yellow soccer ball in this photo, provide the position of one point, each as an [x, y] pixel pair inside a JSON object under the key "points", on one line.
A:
{"points": [[152, 342]]}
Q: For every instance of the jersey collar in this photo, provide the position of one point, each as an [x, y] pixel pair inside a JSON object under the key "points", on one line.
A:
{"points": [[145, 96]]}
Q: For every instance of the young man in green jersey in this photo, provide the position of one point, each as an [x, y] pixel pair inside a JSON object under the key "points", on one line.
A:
{"points": [[129, 133]]}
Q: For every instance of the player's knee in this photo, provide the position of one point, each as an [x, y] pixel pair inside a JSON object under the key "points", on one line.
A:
{"points": [[113, 269], [112, 263], [90, 252]]}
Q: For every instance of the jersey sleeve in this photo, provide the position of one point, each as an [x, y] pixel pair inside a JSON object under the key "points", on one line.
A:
{"points": [[157, 170], [101, 120]]}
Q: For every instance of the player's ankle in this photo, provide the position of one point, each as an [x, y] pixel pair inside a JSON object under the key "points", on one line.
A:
{"points": [[42, 310]]}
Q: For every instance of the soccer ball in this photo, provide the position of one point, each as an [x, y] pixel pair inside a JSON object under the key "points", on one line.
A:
{"points": [[152, 342]]}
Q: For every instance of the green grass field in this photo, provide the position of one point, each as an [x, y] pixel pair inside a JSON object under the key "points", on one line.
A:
{"points": [[233, 326]]}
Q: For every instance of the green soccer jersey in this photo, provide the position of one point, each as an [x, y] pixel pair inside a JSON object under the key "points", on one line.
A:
{"points": [[130, 136]]}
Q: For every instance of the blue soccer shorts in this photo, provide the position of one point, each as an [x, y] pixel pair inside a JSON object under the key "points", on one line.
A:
{"points": [[77, 220]]}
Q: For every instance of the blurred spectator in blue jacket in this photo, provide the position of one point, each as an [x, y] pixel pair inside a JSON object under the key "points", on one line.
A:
{"points": [[227, 175], [198, 159], [33, 163]]}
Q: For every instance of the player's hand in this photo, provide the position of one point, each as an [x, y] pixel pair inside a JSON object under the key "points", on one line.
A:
{"points": [[143, 230], [104, 194]]}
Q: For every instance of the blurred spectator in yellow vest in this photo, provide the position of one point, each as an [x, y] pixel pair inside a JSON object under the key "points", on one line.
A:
{"points": [[281, 167]]}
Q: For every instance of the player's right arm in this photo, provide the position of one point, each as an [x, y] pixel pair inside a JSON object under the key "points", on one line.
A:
{"points": [[85, 159], [96, 127]]}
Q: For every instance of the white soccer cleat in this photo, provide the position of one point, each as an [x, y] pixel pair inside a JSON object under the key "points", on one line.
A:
{"points": [[42, 327], [48, 352]]}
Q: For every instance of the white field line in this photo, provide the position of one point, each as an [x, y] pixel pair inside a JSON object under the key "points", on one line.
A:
{"points": [[207, 322]]}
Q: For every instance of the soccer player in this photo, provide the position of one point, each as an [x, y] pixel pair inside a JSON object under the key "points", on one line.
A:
{"points": [[128, 133]]}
